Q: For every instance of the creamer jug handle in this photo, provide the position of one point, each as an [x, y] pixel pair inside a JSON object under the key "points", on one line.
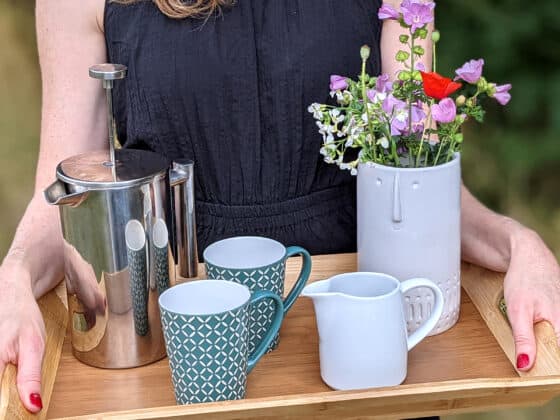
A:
{"points": [[437, 310], [181, 178]]}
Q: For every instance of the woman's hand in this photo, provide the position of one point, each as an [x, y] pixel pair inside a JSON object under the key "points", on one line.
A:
{"points": [[22, 337], [532, 293], [532, 282]]}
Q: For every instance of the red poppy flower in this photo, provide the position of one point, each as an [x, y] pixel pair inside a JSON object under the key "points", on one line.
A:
{"points": [[438, 87]]}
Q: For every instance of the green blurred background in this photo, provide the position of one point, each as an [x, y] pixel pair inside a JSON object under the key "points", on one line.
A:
{"points": [[512, 163]]}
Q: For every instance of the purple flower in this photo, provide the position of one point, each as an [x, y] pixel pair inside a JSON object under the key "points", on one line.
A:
{"points": [[338, 82], [502, 94], [419, 66], [445, 111], [392, 104], [471, 71], [417, 14], [387, 11], [418, 117], [398, 110], [383, 84]]}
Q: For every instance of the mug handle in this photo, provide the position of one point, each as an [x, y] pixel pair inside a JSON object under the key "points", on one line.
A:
{"points": [[303, 275], [431, 322], [274, 327]]}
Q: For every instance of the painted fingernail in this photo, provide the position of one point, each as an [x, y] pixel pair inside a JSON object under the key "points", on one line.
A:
{"points": [[522, 361], [36, 400]]}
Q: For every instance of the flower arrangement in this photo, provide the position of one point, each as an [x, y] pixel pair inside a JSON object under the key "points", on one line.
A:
{"points": [[414, 121]]}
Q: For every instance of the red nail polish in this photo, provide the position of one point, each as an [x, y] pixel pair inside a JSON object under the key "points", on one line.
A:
{"points": [[36, 400], [522, 361]]}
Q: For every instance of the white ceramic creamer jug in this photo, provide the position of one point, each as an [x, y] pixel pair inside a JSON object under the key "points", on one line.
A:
{"points": [[363, 340]]}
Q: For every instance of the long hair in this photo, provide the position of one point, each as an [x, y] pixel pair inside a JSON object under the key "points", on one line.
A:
{"points": [[179, 9]]}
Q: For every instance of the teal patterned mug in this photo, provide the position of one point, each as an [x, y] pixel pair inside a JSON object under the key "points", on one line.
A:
{"points": [[260, 264], [206, 330]]}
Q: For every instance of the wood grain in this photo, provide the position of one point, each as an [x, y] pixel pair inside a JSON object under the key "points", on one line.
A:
{"points": [[54, 308], [453, 397], [486, 296], [461, 370]]}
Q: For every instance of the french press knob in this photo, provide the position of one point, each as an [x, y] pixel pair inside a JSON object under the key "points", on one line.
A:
{"points": [[108, 73]]}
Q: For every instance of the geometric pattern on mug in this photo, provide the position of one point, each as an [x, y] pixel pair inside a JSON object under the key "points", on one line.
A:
{"points": [[261, 315], [207, 355]]}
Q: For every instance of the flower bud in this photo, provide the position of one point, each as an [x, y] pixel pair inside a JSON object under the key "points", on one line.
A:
{"points": [[482, 84], [418, 50], [404, 38], [471, 102], [458, 138], [404, 75], [460, 101], [364, 52], [435, 36], [402, 56], [417, 76], [422, 33]]}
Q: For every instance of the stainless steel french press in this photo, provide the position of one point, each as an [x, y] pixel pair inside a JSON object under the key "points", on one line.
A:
{"points": [[129, 231]]}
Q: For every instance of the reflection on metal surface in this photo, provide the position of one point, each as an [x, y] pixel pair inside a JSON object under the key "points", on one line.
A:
{"points": [[160, 241], [182, 181], [120, 251], [135, 237]]}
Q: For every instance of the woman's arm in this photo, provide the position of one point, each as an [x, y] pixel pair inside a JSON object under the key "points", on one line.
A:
{"points": [[72, 122]]}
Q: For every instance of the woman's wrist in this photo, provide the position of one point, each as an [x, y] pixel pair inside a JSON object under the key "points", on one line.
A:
{"points": [[14, 271], [522, 240]]}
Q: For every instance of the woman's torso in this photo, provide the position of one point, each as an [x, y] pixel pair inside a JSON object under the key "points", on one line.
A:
{"points": [[232, 93]]}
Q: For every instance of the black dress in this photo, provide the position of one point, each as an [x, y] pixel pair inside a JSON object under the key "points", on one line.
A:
{"points": [[232, 93]]}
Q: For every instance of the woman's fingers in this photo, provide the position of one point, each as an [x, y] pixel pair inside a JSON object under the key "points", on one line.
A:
{"points": [[521, 317], [30, 360]]}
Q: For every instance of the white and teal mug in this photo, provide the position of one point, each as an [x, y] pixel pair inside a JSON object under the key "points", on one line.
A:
{"points": [[260, 264], [206, 330]]}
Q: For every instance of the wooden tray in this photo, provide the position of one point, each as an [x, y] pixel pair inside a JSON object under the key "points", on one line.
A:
{"points": [[461, 370]]}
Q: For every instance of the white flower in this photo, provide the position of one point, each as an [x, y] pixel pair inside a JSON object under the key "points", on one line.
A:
{"points": [[383, 142], [353, 172], [379, 97], [344, 166], [349, 142], [328, 159], [315, 109], [365, 117], [339, 96]]}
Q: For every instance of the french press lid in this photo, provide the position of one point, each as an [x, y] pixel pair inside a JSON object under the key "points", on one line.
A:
{"points": [[95, 169]]}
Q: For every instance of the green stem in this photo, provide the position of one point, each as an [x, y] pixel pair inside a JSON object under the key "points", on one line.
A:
{"points": [[434, 57], [410, 93], [365, 100], [441, 141], [424, 133]]}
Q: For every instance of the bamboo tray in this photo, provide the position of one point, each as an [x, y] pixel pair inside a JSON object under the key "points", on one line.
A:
{"points": [[462, 370]]}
